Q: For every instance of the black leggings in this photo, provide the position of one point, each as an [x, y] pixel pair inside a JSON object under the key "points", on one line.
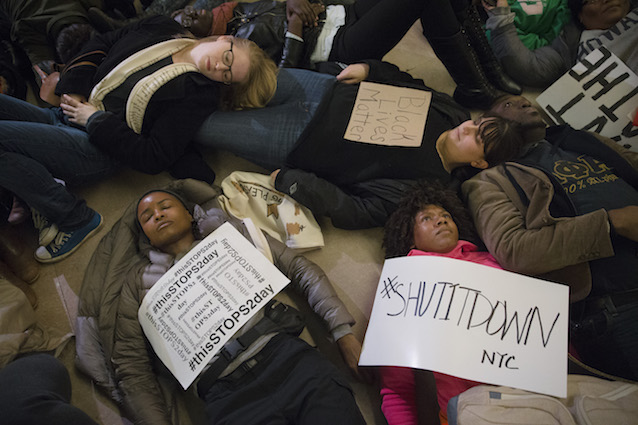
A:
{"points": [[374, 27]]}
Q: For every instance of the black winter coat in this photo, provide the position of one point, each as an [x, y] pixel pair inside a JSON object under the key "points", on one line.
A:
{"points": [[172, 117], [358, 186]]}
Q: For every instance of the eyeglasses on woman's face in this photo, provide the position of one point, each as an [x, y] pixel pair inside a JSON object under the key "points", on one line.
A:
{"points": [[227, 59]]}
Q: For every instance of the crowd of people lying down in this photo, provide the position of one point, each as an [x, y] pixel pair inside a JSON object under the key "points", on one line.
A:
{"points": [[148, 85]]}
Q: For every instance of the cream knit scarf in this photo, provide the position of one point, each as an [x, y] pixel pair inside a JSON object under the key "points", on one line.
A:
{"points": [[142, 92]]}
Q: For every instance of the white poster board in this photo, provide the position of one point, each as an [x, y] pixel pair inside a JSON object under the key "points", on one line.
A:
{"points": [[199, 304], [388, 115], [470, 321], [599, 94]]}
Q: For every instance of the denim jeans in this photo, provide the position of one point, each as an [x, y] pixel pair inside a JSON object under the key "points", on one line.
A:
{"points": [[266, 136], [38, 144]]}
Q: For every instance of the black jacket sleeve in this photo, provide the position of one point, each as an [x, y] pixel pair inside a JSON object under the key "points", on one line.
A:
{"points": [[380, 72], [383, 72], [169, 126], [292, 54], [358, 206]]}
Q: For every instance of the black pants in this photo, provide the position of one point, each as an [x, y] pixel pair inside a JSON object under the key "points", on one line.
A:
{"points": [[292, 383], [374, 27], [36, 390], [608, 340]]}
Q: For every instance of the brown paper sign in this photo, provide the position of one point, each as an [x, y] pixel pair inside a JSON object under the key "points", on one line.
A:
{"points": [[388, 115]]}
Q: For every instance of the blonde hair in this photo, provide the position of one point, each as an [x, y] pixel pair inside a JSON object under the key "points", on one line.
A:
{"points": [[261, 84]]}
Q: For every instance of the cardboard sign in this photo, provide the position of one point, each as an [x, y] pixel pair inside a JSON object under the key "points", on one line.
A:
{"points": [[471, 321], [199, 304], [388, 115], [599, 94]]}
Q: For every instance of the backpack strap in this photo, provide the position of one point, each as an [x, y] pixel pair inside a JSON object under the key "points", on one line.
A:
{"points": [[278, 317], [258, 238]]}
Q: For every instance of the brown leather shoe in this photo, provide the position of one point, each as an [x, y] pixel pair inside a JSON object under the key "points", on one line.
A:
{"points": [[6, 273], [17, 255]]}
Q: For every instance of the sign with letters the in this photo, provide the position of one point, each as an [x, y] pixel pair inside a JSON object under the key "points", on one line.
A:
{"points": [[470, 321], [199, 304], [388, 115], [599, 94]]}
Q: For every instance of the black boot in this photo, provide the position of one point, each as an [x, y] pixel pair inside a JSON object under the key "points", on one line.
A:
{"points": [[473, 90], [491, 66]]}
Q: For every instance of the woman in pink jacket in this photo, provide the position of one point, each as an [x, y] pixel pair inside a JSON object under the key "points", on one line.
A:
{"points": [[430, 220]]}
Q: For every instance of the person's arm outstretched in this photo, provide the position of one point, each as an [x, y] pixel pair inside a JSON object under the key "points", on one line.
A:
{"points": [[309, 279], [368, 204], [536, 68]]}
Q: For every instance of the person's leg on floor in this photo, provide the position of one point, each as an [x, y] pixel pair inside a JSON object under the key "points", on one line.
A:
{"points": [[266, 136], [439, 19], [64, 151], [320, 392], [33, 153], [291, 382], [608, 340], [12, 109], [32, 182], [35, 148], [452, 46], [373, 28], [36, 390], [473, 26]]}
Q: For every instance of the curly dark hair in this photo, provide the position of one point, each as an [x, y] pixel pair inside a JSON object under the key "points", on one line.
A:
{"points": [[398, 234]]}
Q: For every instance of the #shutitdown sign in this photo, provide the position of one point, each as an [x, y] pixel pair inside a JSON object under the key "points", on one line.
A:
{"points": [[599, 94], [203, 300], [471, 321]]}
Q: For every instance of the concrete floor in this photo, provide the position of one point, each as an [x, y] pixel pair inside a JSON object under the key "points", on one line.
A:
{"points": [[352, 259]]}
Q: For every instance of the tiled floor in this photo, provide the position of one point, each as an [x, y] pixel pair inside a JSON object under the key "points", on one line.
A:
{"points": [[352, 259]]}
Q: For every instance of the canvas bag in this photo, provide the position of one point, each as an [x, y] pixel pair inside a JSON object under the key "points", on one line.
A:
{"points": [[590, 401], [252, 195], [19, 328]]}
